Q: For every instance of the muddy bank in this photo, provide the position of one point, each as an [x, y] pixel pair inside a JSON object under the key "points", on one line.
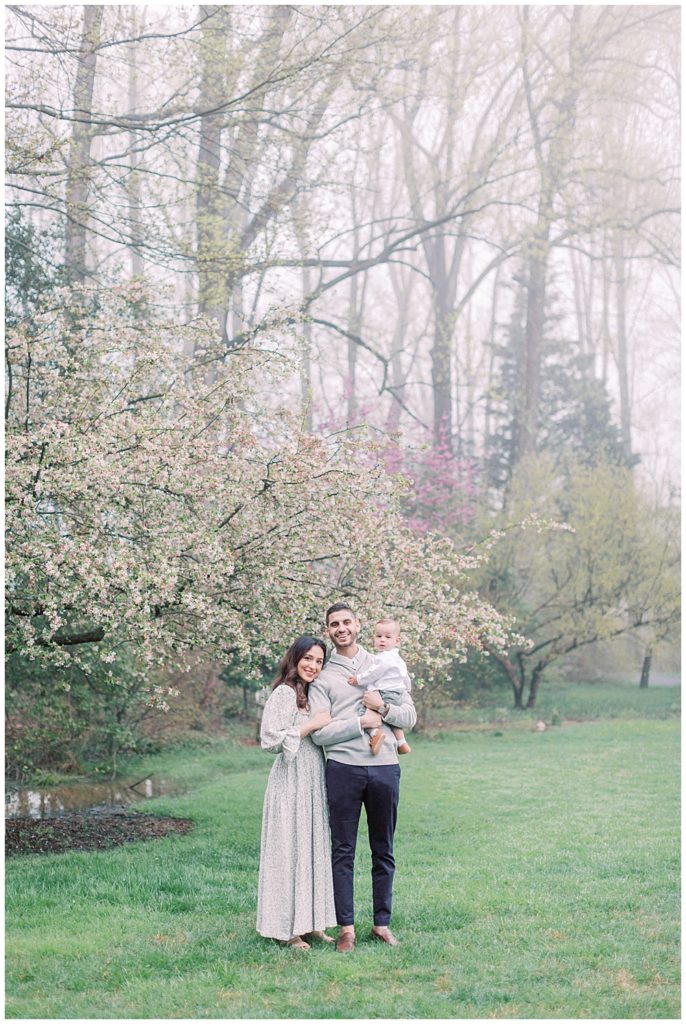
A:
{"points": [[87, 832]]}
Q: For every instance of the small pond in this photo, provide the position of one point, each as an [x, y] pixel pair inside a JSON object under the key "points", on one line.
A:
{"points": [[49, 801]]}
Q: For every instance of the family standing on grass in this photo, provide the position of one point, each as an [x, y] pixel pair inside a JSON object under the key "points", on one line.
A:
{"points": [[337, 729]]}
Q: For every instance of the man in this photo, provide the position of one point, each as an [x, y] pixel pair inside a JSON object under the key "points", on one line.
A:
{"points": [[355, 776]]}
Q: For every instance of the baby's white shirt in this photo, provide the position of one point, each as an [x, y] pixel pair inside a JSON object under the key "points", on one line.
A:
{"points": [[388, 672]]}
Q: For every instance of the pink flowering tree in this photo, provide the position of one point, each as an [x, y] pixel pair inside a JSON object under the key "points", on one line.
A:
{"points": [[444, 488], [156, 503], [442, 492]]}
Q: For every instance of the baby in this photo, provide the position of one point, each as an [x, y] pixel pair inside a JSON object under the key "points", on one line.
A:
{"points": [[389, 676]]}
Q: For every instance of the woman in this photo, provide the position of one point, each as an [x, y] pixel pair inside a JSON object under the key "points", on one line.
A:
{"points": [[295, 889]]}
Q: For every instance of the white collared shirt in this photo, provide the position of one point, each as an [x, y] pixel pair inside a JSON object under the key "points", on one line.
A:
{"points": [[388, 672]]}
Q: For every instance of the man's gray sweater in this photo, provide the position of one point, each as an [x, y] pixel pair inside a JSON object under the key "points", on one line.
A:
{"points": [[344, 739]]}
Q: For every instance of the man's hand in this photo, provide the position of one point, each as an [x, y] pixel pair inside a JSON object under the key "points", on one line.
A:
{"points": [[372, 700], [370, 720]]}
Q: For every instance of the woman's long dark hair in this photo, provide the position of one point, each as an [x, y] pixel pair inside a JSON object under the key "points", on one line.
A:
{"points": [[288, 669]]}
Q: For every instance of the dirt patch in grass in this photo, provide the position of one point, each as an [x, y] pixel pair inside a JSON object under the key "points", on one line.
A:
{"points": [[87, 832]]}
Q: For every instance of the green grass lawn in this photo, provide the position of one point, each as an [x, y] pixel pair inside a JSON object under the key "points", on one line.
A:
{"points": [[538, 876]]}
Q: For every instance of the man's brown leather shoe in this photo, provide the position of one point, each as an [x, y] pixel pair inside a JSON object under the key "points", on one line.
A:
{"points": [[386, 936], [345, 942]]}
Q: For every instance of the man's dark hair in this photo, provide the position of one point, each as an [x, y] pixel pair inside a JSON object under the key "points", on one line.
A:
{"points": [[340, 606]]}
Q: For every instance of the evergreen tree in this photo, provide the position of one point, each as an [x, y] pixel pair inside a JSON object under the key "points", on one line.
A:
{"points": [[576, 412], [33, 267]]}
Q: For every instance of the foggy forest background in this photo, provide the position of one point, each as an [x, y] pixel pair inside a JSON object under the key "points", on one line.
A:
{"points": [[311, 301]]}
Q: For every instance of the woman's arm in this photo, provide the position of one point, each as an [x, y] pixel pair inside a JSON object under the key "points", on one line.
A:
{"points": [[279, 731]]}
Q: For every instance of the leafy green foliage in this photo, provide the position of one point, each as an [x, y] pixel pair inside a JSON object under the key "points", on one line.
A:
{"points": [[611, 566], [73, 717], [33, 267]]}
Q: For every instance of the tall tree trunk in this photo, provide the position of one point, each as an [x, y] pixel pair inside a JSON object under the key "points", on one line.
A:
{"points": [[402, 283], [358, 288], [306, 373], [443, 264], [210, 207], [622, 344], [606, 332], [80, 146], [530, 397], [306, 391], [583, 301], [513, 673], [536, 677], [134, 181], [551, 146], [442, 380], [444, 271], [242, 159], [354, 326], [466, 441], [645, 668], [491, 353]]}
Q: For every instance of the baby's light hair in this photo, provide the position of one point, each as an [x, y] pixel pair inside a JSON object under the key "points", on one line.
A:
{"points": [[387, 618]]}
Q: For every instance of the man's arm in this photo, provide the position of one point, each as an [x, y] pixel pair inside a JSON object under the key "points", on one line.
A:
{"points": [[402, 715], [340, 729]]}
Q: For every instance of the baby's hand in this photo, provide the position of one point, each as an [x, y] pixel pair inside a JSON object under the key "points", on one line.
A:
{"points": [[352, 680]]}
